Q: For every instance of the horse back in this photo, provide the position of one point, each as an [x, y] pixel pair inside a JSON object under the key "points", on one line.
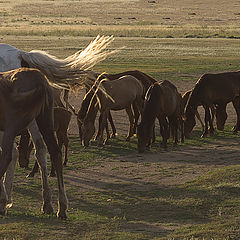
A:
{"points": [[216, 88], [168, 98]]}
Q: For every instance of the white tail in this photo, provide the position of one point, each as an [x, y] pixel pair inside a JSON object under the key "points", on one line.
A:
{"points": [[70, 69]]}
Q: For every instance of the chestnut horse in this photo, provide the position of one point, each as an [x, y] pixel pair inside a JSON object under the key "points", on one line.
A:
{"points": [[26, 96], [212, 89], [162, 101], [120, 94]]}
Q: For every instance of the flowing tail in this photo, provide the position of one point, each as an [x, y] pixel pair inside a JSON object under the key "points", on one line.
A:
{"points": [[71, 70]]}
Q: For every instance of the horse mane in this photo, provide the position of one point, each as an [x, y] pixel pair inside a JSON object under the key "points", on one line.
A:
{"points": [[69, 71], [149, 102]]}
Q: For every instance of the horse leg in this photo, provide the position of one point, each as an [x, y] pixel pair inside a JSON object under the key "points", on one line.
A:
{"points": [[65, 143], [131, 122], [41, 155], [107, 133], [34, 170], [164, 131], [207, 120], [199, 119], [102, 126], [136, 116], [236, 106], [47, 131], [7, 165], [114, 132], [23, 150]]}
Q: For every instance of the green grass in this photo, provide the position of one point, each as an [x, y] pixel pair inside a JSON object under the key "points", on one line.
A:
{"points": [[204, 208]]}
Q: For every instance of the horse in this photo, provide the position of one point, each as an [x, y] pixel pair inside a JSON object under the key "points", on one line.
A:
{"points": [[162, 101], [221, 115], [25, 96], [212, 89], [120, 94], [185, 98], [146, 81], [69, 71]]}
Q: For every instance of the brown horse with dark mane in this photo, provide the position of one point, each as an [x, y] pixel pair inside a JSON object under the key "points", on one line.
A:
{"points": [[25, 95], [163, 102], [213, 89], [146, 81], [115, 95]]}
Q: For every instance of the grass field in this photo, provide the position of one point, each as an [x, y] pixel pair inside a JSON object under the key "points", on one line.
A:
{"points": [[189, 192]]}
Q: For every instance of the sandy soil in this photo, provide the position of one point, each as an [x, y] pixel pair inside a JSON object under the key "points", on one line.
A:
{"points": [[148, 172]]}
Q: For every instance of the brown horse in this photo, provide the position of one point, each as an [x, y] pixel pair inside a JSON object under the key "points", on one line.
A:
{"points": [[185, 98], [122, 93], [221, 115], [146, 81], [212, 89], [25, 95], [162, 101]]}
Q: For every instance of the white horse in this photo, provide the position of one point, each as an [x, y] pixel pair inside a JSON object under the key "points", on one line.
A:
{"points": [[68, 71]]}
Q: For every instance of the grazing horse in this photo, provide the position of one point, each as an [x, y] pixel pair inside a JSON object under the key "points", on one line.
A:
{"points": [[26, 96], [212, 89], [120, 94], [146, 81], [162, 101], [68, 71], [221, 114], [185, 98]]}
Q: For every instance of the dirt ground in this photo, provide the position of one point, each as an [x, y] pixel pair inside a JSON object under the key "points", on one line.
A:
{"points": [[147, 172]]}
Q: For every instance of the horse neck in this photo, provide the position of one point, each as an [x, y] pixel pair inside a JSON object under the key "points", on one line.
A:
{"points": [[149, 110], [87, 104], [193, 102]]}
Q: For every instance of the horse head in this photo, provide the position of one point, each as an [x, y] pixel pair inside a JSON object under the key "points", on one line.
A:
{"points": [[189, 120], [221, 116], [144, 137]]}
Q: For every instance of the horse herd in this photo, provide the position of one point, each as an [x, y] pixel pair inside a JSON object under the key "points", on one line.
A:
{"points": [[30, 105]]}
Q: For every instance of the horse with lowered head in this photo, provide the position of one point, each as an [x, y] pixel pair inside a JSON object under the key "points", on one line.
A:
{"points": [[144, 78], [213, 89], [115, 95], [162, 101]]}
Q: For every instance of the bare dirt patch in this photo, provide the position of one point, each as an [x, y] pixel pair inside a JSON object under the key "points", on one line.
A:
{"points": [[150, 172]]}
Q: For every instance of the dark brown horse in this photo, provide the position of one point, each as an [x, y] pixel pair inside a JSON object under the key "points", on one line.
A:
{"points": [[163, 102], [25, 95], [185, 98], [212, 89], [221, 114]]}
